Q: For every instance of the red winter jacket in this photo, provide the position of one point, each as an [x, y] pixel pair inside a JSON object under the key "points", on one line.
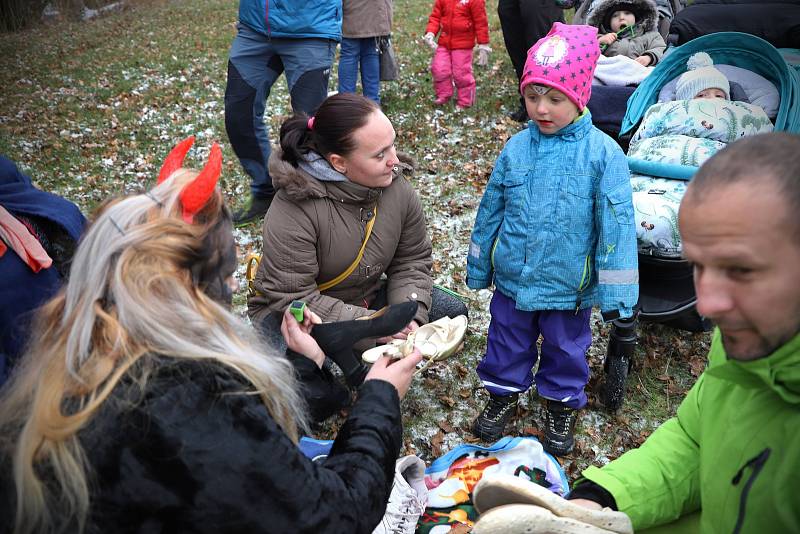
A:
{"points": [[461, 22]]}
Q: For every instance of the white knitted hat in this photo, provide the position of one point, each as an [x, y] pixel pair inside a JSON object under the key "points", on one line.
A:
{"points": [[700, 76]]}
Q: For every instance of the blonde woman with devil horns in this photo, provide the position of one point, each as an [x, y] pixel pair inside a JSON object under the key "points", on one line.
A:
{"points": [[144, 405]]}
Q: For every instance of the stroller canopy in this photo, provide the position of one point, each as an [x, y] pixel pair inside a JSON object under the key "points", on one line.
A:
{"points": [[731, 48]]}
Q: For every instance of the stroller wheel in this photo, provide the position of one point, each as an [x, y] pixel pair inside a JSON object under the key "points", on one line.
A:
{"points": [[619, 357], [616, 376]]}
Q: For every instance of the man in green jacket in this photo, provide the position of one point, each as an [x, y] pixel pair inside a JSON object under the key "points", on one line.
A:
{"points": [[730, 460]]}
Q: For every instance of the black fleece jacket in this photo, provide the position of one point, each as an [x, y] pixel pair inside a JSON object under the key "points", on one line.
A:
{"points": [[195, 452]]}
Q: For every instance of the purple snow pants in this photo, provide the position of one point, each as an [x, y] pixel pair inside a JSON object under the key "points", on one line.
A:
{"points": [[511, 352]]}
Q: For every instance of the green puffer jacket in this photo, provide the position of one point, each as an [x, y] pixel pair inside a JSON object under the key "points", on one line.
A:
{"points": [[732, 451]]}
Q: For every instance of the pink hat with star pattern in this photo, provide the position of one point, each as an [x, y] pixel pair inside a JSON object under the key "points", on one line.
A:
{"points": [[564, 59]]}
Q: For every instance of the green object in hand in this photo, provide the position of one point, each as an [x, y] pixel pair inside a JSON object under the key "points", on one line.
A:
{"points": [[297, 308], [621, 34]]}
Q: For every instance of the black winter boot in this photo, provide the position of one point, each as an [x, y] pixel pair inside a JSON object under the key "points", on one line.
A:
{"points": [[491, 423], [558, 428]]}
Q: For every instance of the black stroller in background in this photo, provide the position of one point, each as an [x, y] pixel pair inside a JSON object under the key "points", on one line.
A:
{"points": [[666, 284]]}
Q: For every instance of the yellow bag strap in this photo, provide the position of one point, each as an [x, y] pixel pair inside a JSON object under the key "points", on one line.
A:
{"points": [[329, 284], [252, 261]]}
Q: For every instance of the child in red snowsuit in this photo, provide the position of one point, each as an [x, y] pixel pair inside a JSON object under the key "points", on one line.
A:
{"points": [[459, 24]]}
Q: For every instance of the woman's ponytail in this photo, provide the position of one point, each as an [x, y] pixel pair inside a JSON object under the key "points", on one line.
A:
{"points": [[296, 138], [329, 131]]}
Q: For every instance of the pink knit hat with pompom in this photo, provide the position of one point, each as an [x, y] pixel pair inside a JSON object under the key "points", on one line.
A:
{"points": [[564, 59]]}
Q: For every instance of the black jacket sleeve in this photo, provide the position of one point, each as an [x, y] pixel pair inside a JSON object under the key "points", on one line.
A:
{"points": [[324, 395], [593, 492], [203, 455]]}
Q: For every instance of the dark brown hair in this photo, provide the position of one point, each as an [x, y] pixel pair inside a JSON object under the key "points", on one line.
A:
{"points": [[334, 123]]}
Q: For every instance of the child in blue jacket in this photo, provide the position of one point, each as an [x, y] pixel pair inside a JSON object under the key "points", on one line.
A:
{"points": [[555, 234]]}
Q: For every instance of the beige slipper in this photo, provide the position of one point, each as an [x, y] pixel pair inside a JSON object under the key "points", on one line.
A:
{"points": [[495, 491], [436, 341], [396, 349], [530, 519], [441, 338]]}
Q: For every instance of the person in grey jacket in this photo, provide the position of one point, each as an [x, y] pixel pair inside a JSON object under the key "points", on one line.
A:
{"points": [[628, 28], [364, 24]]}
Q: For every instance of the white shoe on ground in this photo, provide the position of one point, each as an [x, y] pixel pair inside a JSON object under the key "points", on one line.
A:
{"points": [[408, 499]]}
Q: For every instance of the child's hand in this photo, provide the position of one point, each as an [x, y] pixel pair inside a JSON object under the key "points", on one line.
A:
{"points": [[483, 54], [644, 60], [608, 38], [430, 41]]}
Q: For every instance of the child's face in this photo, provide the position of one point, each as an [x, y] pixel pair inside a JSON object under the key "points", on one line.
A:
{"points": [[551, 111], [711, 92], [622, 18]]}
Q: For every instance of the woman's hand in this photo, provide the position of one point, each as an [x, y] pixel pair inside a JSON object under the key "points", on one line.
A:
{"points": [[644, 60], [402, 334], [298, 338], [397, 372]]}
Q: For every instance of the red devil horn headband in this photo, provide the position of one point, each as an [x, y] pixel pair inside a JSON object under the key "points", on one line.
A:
{"points": [[196, 193], [174, 160]]}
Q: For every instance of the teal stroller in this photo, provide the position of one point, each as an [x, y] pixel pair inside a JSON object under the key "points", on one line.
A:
{"points": [[666, 289]]}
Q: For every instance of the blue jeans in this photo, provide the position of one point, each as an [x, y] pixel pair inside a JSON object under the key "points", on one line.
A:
{"points": [[254, 64], [363, 52]]}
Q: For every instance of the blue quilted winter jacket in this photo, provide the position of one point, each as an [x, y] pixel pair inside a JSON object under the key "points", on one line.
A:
{"points": [[555, 225], [293, 19]]}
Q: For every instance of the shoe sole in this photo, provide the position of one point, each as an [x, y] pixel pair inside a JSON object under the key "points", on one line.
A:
{"points": [[559, 451], [484, 436], [497, 491], [530, 519]]}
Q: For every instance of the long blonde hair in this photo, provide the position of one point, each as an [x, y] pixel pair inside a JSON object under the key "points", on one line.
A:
{"points": [[131, 293]]}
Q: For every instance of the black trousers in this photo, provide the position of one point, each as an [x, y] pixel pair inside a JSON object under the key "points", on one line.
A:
{"points": [[523, 23]]}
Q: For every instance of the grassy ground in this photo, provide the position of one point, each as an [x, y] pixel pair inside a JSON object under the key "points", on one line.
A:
{"points": [[89, 110]]}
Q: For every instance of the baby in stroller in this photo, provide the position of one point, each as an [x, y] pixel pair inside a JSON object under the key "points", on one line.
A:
{"points": [[674, 139], [628, 28], [618, 70]]}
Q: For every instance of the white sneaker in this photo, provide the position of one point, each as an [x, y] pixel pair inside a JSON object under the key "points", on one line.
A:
{"points": [[408, 499]]}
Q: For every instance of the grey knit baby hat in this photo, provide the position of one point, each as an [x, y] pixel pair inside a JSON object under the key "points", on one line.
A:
{"points": [[700, 76]]}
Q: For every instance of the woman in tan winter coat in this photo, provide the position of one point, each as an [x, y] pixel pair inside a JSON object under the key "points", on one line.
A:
{"points": [[340, 189]]}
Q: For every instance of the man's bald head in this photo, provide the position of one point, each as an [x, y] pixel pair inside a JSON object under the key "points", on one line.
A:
{"points": [[767, 160]]}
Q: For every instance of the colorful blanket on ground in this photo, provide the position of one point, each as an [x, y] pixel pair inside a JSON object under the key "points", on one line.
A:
{"points": [[450, 479], [675, 137]]}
